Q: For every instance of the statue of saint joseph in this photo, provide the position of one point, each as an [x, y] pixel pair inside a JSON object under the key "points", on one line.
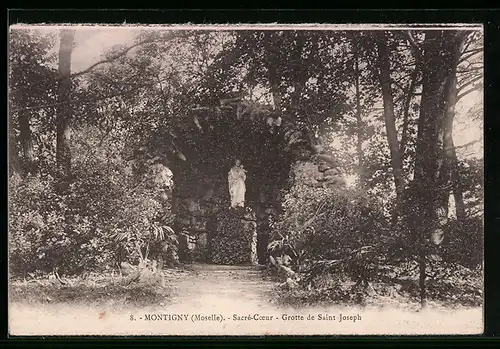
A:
{"points": [[236, 178]]}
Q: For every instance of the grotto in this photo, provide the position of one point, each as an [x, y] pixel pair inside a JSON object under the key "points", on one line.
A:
{"points": [[201, 152]]}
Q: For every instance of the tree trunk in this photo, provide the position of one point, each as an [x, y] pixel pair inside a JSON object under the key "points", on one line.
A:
{"points": [[421, 279], [272, 74], [431, 171], [450, 176], [26, 143], [406, 112], [63, 151], [458, 195], [390, 120], [359, 124], [300, 75], [441, 53]]}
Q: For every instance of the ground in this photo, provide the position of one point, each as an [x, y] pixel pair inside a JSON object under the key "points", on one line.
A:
{"points": [[227, 297]]}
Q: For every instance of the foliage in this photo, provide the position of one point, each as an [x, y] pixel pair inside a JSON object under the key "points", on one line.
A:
{"points": [[42, 238], [108, 214], [449, 284], [325, 223], [230, 244], [464, 242], [93, 289], [328, 230], [32, 83], [136, 111]]}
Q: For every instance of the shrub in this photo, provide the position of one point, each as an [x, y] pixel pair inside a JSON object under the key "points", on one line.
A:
{"points": [[463, 243], [47, 230], [109, 214], [231, 242], [328, 223], [330, 236]]}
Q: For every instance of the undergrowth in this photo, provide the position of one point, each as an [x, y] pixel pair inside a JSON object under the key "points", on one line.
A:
{"points": [[392, 286], [90, 291]]}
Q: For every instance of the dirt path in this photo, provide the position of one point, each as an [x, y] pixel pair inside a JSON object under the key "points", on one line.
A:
{"points": [[232, 300], [213, 286]]}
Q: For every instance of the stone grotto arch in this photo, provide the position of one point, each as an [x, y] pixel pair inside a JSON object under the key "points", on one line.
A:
{"points": [[200, 153]]}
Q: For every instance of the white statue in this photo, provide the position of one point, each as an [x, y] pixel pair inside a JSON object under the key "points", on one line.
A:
{"points": [[236, 178]]}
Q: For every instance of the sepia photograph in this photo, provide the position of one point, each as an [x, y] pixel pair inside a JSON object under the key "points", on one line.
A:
{"points": [[264, 179]]}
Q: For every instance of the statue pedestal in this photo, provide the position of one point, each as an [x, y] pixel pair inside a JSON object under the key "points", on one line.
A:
{"points": [[235, 240]]}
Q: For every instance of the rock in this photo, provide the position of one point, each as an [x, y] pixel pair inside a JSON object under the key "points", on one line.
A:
{"points": [[249, 216], [324, 167], [331, 172], [270, 210], [249, 225], [291, 284], [318, 176], [273, 261], [335, 179], [162, 176], [261, 214], [286, 260], [126, 268], [317, 148], [437, 236], [328, 158], [192, 205], [303, 155], [203, 211], [288, 271], [199, 225], [183, 221], [209, 193], [318, 184]]}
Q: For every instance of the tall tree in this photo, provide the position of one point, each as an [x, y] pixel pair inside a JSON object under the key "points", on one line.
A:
{"points": [[26, 142], [389, 115], [63, 127], [450, 174], [31, 82], [441, 53], [271, 59], [359, 121]]}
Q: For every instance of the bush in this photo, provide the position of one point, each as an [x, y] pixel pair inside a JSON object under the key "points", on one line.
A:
{"points": [[330, 236], [48, 230], [109, 214], [231, 242], [328, 223], [463, 243]]}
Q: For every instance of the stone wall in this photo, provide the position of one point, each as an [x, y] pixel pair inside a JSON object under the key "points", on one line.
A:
{"points": [[320, 170], [196, 206]]}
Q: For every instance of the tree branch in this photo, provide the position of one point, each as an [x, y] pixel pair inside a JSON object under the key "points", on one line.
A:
{"points": [[127, 81], [469, 69], [469, 83], [463, 94], [109, 81], [124, 52], [65, 101], [465, 145], [414, 45], [113, 58], [471, 53]]}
